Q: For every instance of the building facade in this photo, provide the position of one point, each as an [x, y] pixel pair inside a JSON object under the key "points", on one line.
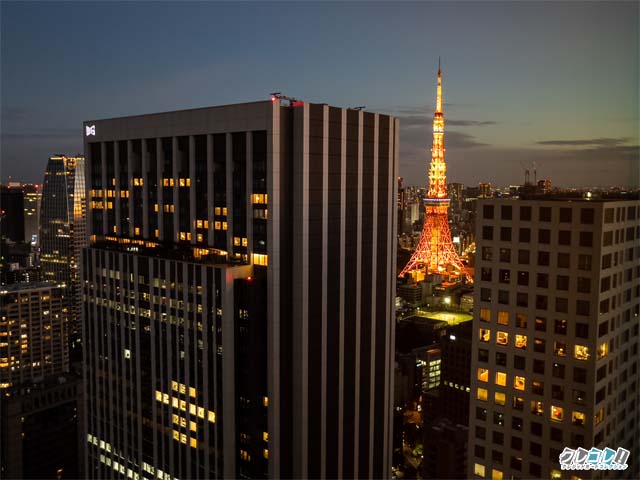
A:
{"points": [[33, 332], [11, 213], [555, 342], [238, 292], [63, 229], [32, 198]]}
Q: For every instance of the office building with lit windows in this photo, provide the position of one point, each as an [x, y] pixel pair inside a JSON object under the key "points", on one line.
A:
{"points": [[33, 332], [555, 344], [238, 292], [63, 230]]}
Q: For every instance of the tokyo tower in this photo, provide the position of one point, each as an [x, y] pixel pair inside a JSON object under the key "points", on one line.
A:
{"points": [[435, 253]]}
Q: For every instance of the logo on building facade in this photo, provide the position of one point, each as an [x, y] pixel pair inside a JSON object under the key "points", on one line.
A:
{"points": [[594, 459], [90, 130]]}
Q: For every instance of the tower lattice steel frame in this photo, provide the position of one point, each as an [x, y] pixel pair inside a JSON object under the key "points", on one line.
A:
{"points": [[435, 253]]}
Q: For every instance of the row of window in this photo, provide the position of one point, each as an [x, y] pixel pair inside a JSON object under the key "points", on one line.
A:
{"points": [[522, 277], [582, 307], [585, 239], [565, 214], [563, 259]]}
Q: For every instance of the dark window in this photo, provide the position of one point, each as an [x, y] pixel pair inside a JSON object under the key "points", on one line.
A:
{"points": [[536, 429], [478, 451], [481, 413], [522, 299], [505, 234], [519, 362], [544, 236], [523, 279], [487, 211], [564, 237], [523, 257], [485, 274], [560, 327], [584, 262], [557, 370], [503, 297], [563, 260], [539, 345], [498, 438], [607, 238], [505, 255], [524, 235], [543, 259], [485, 294], [525, 213], [481, 432], [516, 423], [584, 285], [542, 280], [586, 239], [562, 282], [582, 307], [582, 330], [504, 275], [562, 305], [557, 392], [516, 463], [565, 215], [545, 214], [540, 324], [516, 443], [542, 302], [535, 449], [579, 375], [608, 215], [487, 232], [501, 359], [606, 261], [586, 216], [483, 355], [487, 253], [538, 366], [506, 212]]}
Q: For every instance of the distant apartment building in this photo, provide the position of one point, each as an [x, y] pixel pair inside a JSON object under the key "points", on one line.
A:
{"points": [[33, 332], [32, 198], [555, 343], [240, 280]]}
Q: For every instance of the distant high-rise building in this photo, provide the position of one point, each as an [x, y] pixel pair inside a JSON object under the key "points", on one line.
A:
{"points": [[32, 197], [63, 229], [435, 253], [12, 213], [555, 344], [240, 281], [33, 332], [40, 435], [485, 190]]}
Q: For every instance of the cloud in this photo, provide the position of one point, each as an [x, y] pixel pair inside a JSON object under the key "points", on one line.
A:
{"points": [[592, 142]]}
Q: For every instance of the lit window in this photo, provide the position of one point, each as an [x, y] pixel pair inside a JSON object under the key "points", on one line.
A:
{"points": [[217, 211], [496, 474], [557, 413], [502, 338], [501, 379], [158, 396], [503, 317], [599, 416], [193, 443], [265, 453], [483, 374], [581, 352], [155, 207], [236, 241], [479, 470], [265, 401], [578, 418], [217, 225], [521, 341], [537, 407], [519, 383], [224, 211], [485, 314], [485, 334], [500, 398], [556, 474], [603, 350], [224, 225], [211, 416], [265, 436], [559, 349], [482, 394], [192, 426]]}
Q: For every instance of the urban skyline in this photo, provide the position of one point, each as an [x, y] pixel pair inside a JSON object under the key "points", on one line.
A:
{"points": [[512, 69]]}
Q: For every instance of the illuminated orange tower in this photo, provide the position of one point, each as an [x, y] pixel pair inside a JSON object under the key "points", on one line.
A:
{"points": [[435, 253]]}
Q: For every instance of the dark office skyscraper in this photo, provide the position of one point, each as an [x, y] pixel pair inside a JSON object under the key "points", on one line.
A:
{"points": [[63, 229], [12, 213], [239, 292]]}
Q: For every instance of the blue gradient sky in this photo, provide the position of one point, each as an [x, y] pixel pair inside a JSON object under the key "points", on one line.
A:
{"points": [[555, 83]]}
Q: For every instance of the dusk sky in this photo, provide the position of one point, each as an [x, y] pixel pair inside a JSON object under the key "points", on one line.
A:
{"points": [[555, 83]]}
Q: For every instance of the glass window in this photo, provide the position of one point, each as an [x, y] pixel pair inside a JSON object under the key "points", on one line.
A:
{"points": [[505, 234], [523, 257], [503, 297], [565, 215], [483, 355], [487, 212], [557, 413], [503, 317], [502, 338], [501, 359], [522, 299], [543, 259], [487, 253], [603, 350], [485, 294], [564, 237], [562, 282], [485, 314], [485, 274], [564, 260], [537, 408], [485, 334], [521, 341], [501, 379], [525, 213], [545, 214], [584, 285], [586, 239], [519, 362], [479, 469], [541, 324], [519, 383], [578, 418], [559, 348], [584, 262], [499, 398], [521, 320], [487, 232], [524, 235], [581, 352], [505, 255], [537, 387], [586, 216], [482, 394], [539, 345], [523, 278], [504, 275], [557, 392], [542, 280], [518, 403], [557, 370], [483, 374], [544, 236], [560, 327], [538, 366]]}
